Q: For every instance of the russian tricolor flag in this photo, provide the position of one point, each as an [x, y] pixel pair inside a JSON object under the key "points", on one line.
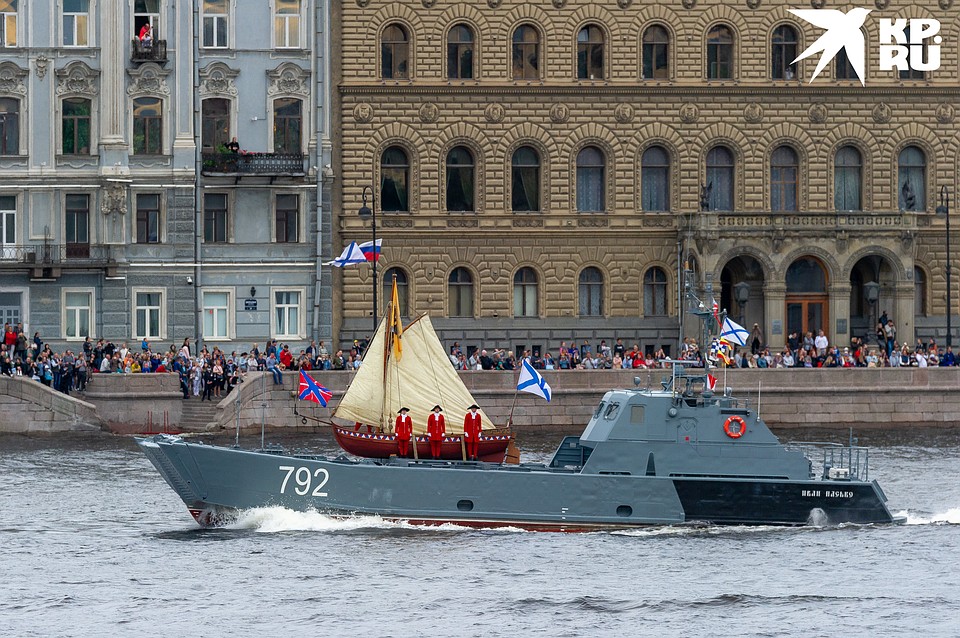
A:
{"points": [[371, 251]]}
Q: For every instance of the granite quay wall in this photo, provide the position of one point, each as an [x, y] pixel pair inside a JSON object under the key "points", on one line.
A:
{"points": [[30, 407], [863, 398]]}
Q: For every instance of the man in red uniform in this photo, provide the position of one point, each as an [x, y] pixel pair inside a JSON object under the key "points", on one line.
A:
{"points": [[471, 432], [403, 429], [436, 428]]}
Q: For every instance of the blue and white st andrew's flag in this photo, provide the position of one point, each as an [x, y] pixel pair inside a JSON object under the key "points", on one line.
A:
{"points": [[531, 381], [734, 332], [351, 255]]}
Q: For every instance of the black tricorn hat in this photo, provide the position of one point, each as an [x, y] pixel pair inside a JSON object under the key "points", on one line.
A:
{"points": [[401, 410], [436, 407], [474, 407]]}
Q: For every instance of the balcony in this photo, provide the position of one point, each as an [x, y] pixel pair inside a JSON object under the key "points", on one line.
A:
{"points": [[264, 164], [46, 261], [157, 52]]}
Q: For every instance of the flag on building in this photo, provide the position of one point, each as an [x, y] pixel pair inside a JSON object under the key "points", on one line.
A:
{"points": [[734, 332], [371, 251], [310, 390], [531, 381], [396, 325], [351, 255], [711, 382]]}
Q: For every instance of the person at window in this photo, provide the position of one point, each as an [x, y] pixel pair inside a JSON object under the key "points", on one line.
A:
{"points": [[233, 146], [436, 428], [471, 432], [403, 429]]}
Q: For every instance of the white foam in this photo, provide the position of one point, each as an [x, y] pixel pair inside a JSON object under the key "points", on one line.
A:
{"points": [[951, 516]]}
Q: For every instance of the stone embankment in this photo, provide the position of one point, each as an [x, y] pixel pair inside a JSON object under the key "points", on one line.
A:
{"points": [[29, 407], [882, 397]]}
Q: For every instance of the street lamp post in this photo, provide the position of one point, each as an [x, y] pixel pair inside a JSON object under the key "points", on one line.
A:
{"points": [[371, 212], [944, 209]]}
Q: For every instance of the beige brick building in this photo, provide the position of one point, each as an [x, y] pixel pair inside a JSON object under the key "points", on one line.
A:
{"points": [[538, 168]]}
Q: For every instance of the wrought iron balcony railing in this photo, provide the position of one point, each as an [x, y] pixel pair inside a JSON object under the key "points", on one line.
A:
{"points": [[40, 255], [253, 163], [156, 51]]}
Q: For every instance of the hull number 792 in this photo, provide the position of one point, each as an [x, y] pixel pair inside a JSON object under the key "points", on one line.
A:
{"points": [[304, 480]]}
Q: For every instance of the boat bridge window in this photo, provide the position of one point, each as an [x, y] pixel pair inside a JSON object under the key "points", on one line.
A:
{"points": [[636, 414], [599, 410], [612, 410]]}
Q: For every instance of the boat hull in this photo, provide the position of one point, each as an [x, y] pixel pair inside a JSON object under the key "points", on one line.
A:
{"points": [[217, 482], [373, 445]]}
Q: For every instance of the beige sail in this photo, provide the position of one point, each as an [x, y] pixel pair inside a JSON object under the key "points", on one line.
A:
{"points": [[421, 378]]}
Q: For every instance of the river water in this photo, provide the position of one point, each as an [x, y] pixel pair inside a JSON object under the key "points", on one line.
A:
{"points": [[94, 543]]}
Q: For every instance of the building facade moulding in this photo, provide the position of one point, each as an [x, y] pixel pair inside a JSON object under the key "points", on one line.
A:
{"points": [[218, 80], [77, 79], [148, 79], [11, 79]]}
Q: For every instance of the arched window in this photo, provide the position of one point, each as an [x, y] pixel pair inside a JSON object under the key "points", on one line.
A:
{"points": [[403, 290], [287, 125], [847, 183], [460, 179], [912, 179], [656, 53], [394, 180], [525, 180], [215, 124], [655, 179], [394, 53], [655, 292], [525, 293], [919, 292], [591, 177], [784, 172], [9, 126], [460, 293], [720, 171], [590, 53], [720, 53], [526, 53], [591, 292], [147, 126], [75, 123], [784, 49], [460, 52]]}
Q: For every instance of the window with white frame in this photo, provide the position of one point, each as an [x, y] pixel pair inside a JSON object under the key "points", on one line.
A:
{"points": [[76, 23], [287, 320], [216, 314], [215, 23], [148, 314], [8, 23], [77, 311], [286, 24]]}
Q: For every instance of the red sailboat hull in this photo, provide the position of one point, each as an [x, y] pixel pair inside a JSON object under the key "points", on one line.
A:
{"points": [[382, 445]]}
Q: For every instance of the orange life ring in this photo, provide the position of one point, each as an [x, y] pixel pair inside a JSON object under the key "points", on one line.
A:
{"points": [[735, 419]]}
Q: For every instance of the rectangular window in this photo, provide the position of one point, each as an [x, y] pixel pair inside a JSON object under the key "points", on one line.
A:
{"points": [[216, 308], [215, 17], [75, 126], [8, 23], [215, 218], [286, 313], [76, 18], [8, 227], [148, 218], [148, 314], [288, 218], [9, 126], [286, 24], [77, 310]]}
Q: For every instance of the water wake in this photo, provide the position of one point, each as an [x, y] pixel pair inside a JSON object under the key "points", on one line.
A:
{"points": [[951, 517]]}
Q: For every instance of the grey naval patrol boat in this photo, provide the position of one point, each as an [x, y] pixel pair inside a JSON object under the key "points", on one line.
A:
{"points": [[675, 454]]}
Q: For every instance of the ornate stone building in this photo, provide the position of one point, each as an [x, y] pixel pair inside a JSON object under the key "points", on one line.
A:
{"points": [[540, 169]]}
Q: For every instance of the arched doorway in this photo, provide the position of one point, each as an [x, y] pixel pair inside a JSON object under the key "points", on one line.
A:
{"points": [[807, 299], [744, 303], [868, 302]]}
